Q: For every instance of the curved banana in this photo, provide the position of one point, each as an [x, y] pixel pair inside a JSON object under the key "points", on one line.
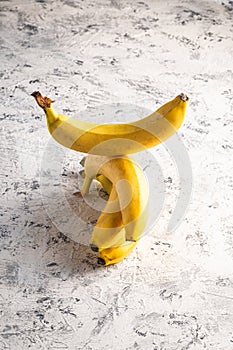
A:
{"points": [[114, 248], [130, 184], [114, 139], [108, 231]]}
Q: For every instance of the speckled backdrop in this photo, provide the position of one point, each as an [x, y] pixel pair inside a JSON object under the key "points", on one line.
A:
{"points": [[174, 291]]}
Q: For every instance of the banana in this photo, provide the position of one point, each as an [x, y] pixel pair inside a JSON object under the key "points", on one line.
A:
{"points": [[114, 139], [112, 221], [130, 184], [110, 243], [116, 254], [108, 231]]}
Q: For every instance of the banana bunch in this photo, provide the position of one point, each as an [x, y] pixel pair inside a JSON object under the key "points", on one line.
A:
{"points": [[124, 218]]}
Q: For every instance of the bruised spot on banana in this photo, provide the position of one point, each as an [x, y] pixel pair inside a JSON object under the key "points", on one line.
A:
{"points": [[114, 139]]}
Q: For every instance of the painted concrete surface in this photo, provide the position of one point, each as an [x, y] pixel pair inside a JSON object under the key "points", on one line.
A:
{"points": [[175, 291]]}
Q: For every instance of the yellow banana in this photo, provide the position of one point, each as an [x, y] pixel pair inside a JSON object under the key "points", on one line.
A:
{"points": [[114, 139], [130, 184], [116, 254], [112, 245], [108, 231]]}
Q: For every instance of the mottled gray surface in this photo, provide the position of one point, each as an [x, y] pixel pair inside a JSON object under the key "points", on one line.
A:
{"points": [[174, 292]]}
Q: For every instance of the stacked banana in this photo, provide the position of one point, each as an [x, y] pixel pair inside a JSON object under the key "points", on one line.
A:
{"points": [[123, 220]]}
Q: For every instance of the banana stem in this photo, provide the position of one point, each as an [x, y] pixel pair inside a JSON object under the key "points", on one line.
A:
{"points": [[43, 101], [86, 185]]}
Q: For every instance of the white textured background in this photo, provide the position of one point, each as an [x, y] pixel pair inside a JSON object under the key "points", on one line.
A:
{"points": [[173, 292]]}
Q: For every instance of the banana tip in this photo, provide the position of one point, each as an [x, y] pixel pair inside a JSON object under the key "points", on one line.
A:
{"points": [[184, 97], [94, 247], [101, 261]]}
